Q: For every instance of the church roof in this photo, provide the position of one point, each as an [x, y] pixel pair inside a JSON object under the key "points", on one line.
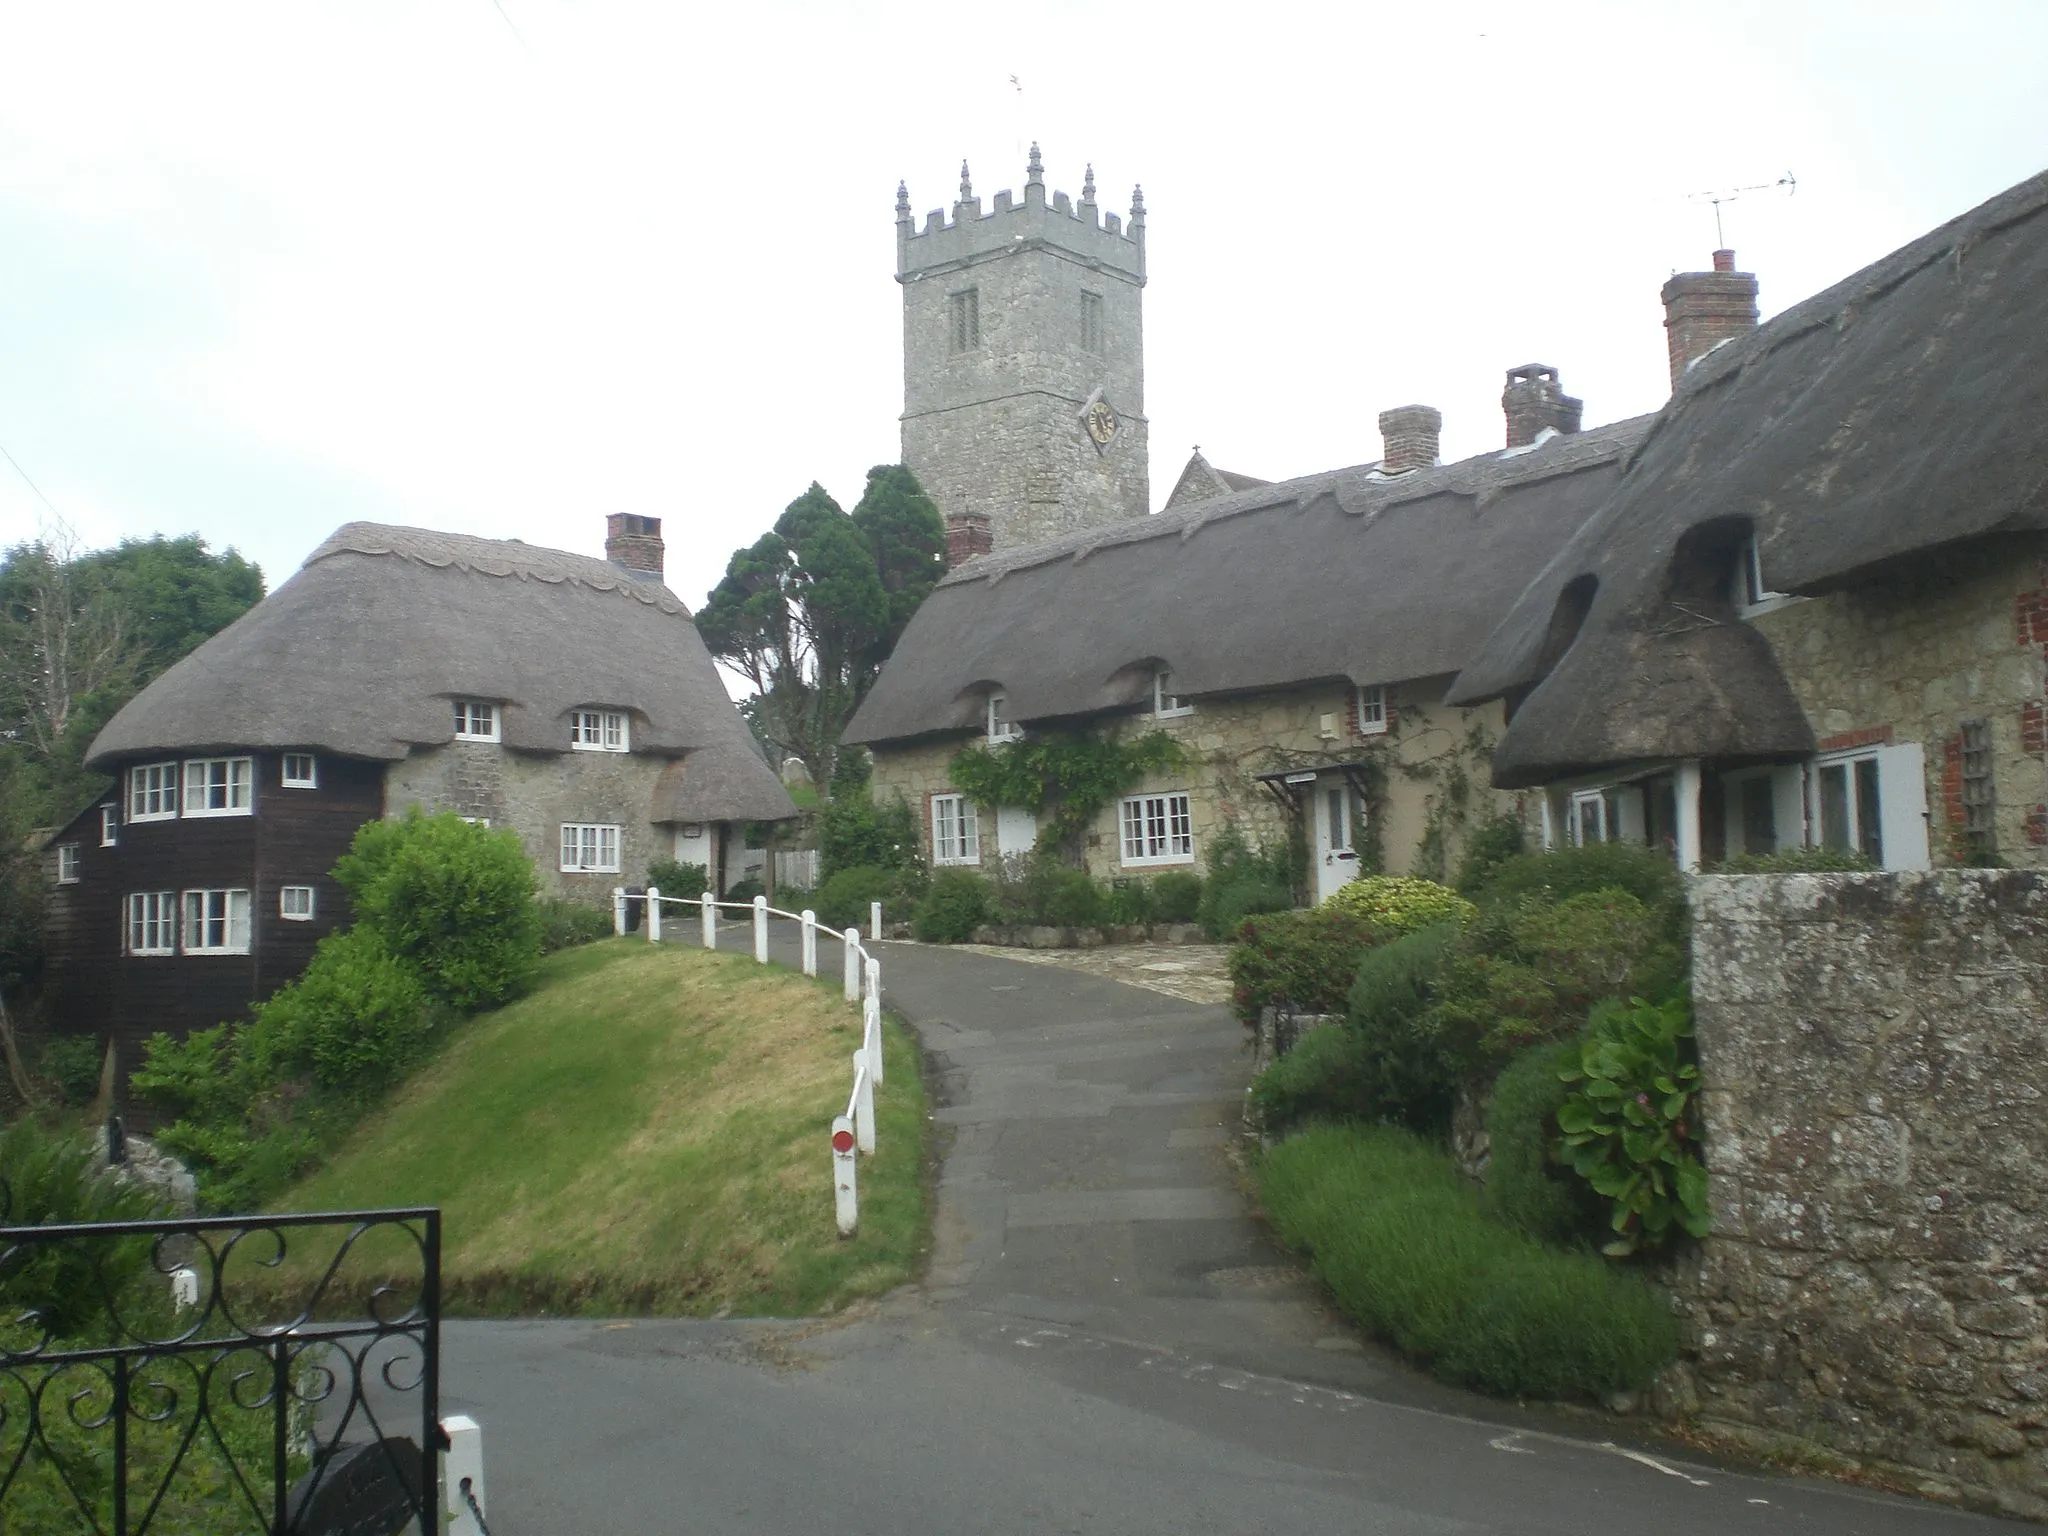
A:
{"points": [[1347, 574], [362, 650], [1902, 410], [1201, 480]]}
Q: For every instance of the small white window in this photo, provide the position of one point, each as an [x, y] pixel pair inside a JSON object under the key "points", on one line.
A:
{"points": [[475, 720], [153, 792], [1158, 829], [1590, 822], [1165, 702], [67, 863], [1000, 727], [219, 786], [152, 923], [110, 825], [1372, 709], [956, 830], [301, 771], [295, 903], [477, 821], [1752, 597], [216, 922], [588, 848], [598, 730]]}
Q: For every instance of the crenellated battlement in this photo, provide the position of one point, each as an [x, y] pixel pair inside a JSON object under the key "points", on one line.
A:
{"points": [[965, 234]]}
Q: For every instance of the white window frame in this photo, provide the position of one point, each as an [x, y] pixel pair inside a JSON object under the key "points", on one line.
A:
{"points": [[1751, 596], [956, 830], [67, 863], [600, 730], [1157, 829], [478, 720], [291, 909], [199, 911], [308, 776], [1902, 806], [1167, 705], [1372, 709], [110, 825], [996, 727], [237, 786], [153, 792], [1595, 800], [590, 848], [146, 916]]}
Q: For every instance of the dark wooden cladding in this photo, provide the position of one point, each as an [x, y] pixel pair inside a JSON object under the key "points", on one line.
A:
{"points": [[292, 837]]}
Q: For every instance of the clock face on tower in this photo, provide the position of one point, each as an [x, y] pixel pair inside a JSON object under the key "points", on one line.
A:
{"points": [[1099, 419]]}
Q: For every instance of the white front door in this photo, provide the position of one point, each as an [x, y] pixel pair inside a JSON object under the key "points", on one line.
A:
{"points": [[1016, 830], [1336, 827]]}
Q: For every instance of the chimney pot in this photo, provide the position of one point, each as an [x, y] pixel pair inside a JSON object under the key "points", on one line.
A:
{"points": [[634, 544], [1704, 309], [1412, 434], [967, 534], [1535, 401], [1724, 261]]}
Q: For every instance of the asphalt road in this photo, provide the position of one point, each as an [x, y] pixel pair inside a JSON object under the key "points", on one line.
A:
{"points": [[1105, 1342]]}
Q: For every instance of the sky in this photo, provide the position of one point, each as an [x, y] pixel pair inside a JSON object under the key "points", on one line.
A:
{"points": [[503, 267]]}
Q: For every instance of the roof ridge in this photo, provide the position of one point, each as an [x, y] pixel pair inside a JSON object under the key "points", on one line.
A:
{"points": [[493, 557]]}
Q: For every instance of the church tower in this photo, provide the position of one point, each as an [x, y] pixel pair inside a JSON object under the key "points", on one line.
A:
{"points": [[1023, 362]]}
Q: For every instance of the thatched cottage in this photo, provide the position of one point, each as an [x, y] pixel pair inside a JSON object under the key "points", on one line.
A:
{"points": [[567, 698]]}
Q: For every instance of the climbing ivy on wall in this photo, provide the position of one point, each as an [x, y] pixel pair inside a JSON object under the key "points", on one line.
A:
{"points": [[1449, 806], [1063, 778]]}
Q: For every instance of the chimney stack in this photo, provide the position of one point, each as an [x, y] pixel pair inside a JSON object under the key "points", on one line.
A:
{"points": [[1704, 309], [634, 544], [967, 534], [1535, 400], [1412, 433]]}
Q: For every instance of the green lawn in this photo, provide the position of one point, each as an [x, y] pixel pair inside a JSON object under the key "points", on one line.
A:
{"points": [[648, 1132]]}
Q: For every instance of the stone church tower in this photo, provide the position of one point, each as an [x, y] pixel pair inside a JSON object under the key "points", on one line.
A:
{"points": [[1023, 363]]}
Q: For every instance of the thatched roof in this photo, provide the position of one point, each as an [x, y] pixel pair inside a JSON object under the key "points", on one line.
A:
{"points": [[361, 652], [1349, 574], [1900, 411]]}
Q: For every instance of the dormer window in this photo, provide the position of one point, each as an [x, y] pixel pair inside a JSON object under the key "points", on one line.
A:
{"points": [[475, 720], [999, 726], [1751, 595], [1165, 702], [599, 730], [1372, 709]]}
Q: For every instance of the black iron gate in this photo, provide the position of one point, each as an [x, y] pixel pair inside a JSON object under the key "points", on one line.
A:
{"points": [[276, 1374]]}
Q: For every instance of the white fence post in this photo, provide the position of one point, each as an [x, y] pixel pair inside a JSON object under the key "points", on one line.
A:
{"points": [[653, 915], [619, 911], [874, 979], [707, 910], [875, 921], [845, 1196], [810, 942], [852, 952], [871, 1034], [863, 1103], [760, 930], [464, 1463]]}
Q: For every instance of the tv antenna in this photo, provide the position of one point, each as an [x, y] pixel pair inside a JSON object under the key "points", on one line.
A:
{"points": [[1729, 194]]}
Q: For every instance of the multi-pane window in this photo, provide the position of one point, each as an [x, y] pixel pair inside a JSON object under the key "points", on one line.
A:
{"points": [[219, 786], [1979, 806], [598, 730], [1158, 829], [153, 792], [300, 771], [295, 903], [1000, 727], [152, 922], [589, 848], [966, 319], [1591, 822], [1848, 795], [216, 922], [1091, 322], [1165, 702], [475, 720], [110, 825], [1372, 709], [956, 830], [67, 863]]}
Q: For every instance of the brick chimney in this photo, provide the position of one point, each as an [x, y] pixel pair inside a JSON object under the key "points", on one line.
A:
{"points": [[1412, 433], [1704, 309], [634, 544], [967, 534], [1534, 400]]}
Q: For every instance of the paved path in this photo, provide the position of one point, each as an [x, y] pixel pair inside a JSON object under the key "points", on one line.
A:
{"points": [[1105, 1342]]}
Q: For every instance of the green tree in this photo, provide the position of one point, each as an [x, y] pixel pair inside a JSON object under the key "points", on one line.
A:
{"points": [[810, 611]]}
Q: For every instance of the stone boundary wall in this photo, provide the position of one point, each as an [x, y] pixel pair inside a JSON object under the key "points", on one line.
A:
{"points": [[1874, 1050]]}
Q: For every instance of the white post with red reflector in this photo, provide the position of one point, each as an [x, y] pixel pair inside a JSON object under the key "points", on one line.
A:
{"points": [[845, 1197]]}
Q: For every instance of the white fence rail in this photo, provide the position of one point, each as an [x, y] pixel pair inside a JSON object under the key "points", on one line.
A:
{"points": [[853, 1133]]}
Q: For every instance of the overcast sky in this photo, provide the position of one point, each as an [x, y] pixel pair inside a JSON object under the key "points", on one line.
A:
{"points": [[267, 268]]}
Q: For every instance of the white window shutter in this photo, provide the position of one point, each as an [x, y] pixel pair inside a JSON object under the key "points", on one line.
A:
{"points": [[1902, 805], [1788, 805], [970, 831]]}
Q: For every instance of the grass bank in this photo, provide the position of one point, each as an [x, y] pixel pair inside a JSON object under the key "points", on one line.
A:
{"points": [[1401, 1241], [647, 1132]]}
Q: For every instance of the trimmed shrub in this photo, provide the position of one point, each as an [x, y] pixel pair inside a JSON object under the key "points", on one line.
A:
{"points": [[354, 1021], [1176, 896], [1322, 1078], [1646, 874], [1527, 1185], [1128, 901], [1400, 903], [1408, 1072], [1488, 846], [843, 901], [1404, 1247], [1227, 905], [672, 878], [955, 904], [1243, 881], [1059, 897], [1304, 959], [565, 924], [856, 833]]}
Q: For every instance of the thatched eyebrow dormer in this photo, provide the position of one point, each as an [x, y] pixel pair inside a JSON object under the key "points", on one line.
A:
{"points": [[1901, 410]]}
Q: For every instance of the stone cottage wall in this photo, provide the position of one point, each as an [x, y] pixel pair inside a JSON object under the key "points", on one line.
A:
{"points": [[1874, 1050]]}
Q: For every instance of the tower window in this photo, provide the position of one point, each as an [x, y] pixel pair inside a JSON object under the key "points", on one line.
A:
{"points": [[1091, 322], [966, 319]]}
